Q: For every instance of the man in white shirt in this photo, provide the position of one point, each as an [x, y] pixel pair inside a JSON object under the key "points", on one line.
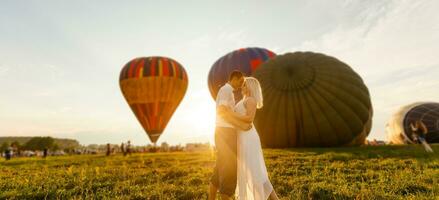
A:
{"points": [[224, 175]]}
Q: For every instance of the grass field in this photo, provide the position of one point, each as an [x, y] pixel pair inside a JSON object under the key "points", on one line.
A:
{"points": [[389, 172]]}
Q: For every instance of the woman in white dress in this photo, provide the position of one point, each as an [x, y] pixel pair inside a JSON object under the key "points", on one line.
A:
{"points": [[253, 182]]}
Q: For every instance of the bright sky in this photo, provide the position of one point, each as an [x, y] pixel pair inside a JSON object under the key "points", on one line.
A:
{"points": [[60, 60]]}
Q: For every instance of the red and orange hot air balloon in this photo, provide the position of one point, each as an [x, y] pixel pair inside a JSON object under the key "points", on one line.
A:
{"points": [[153, 87]]}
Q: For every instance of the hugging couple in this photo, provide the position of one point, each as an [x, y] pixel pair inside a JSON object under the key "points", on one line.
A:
{"points": [[240, 166]]}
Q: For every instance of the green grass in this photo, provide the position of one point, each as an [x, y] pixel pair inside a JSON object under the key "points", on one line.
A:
{"points": [[390, 172]]}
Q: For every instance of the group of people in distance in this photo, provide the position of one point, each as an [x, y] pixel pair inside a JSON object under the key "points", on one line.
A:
{"points": [[125, 149], [12, 151]]}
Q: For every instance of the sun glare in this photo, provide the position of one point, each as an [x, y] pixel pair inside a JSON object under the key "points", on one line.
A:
{"points": [[199, 116]]}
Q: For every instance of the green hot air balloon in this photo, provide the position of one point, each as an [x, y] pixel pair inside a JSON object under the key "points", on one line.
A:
{"points": [[312, 100]]}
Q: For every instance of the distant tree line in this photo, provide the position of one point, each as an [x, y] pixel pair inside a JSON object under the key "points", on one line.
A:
{"points": [[41, 143]]}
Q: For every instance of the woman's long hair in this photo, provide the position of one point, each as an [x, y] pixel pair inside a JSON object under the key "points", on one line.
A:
{"points": [[255, 90]]}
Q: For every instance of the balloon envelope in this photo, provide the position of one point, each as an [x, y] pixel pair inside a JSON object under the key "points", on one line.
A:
{"points": [[398, 127], [246, 60], [153, 88], [311, 100]]}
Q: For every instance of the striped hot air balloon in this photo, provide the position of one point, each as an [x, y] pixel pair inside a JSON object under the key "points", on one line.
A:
{"points": [[153, 88], [246, 60]]}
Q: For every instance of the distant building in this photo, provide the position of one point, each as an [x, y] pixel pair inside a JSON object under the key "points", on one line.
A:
{"points": [[164, 147], [197, 146], [176, 148]]}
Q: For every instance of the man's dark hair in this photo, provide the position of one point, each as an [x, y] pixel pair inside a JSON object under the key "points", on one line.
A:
{"points": [[235, 74]]}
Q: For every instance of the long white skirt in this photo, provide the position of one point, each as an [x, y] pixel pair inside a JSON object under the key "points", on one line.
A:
{"points": [[253, 182]]}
